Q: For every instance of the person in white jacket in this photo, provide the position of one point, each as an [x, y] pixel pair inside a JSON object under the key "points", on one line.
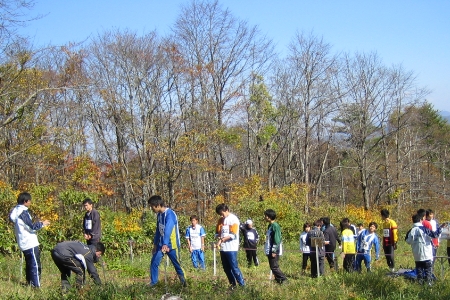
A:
{"points": [[304, 248], [420, 239], [25, 231]]}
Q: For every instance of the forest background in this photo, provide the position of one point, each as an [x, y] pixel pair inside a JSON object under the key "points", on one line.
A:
{"points": [[208, 114]]}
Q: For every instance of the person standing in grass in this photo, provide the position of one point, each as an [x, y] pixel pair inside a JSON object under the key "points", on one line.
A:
{"points": [[390, 238], [227, 233], [366, 239], [273, 247], [166, 240], [25, 231], [251, 238], [348, 245], [429, 216], [315, 232], [420, 239], [195, 237], [304, 249], [91, 223], [331, 237]]}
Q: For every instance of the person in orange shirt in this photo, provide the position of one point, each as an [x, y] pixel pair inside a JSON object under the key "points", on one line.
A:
{"points": [[390, 238]]}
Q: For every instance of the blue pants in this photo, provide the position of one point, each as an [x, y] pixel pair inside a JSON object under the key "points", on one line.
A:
{"points": [[230, 266], [198, 257], [33, 266], [156, 260], [360, 257]]}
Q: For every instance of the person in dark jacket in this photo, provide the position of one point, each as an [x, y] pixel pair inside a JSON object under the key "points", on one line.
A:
{"points": [[315, 232], [331, 237], [91, 223], [74, 256], [251, 238]]}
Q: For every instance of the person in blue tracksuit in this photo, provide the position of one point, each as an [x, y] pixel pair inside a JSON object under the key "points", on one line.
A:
{"points": [[166, 240], [25, 231], [366, 239]]}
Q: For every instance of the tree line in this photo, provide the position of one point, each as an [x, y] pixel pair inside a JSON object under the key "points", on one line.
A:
{"points": [[190, 114]]}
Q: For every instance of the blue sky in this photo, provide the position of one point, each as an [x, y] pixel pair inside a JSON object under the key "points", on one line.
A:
{"points": [[414, 33]]}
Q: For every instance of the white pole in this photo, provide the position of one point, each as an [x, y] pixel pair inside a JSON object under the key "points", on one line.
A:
{"points": [[21, 265], [317, 260], [214, 250], [165, 273]]}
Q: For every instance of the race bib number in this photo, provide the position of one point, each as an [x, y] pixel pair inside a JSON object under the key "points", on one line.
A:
{"points": [[88, 224], [225, 231], [386, 233], [365, 246], [250, 236]]}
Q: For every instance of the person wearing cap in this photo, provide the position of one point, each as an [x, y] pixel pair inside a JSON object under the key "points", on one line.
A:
{"points": [[251, 238]]}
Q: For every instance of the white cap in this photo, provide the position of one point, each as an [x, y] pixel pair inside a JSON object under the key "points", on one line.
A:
{"points": [[249, 222]]}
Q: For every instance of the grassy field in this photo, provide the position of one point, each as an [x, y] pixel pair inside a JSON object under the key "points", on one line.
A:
{"points": [[126, 279]]}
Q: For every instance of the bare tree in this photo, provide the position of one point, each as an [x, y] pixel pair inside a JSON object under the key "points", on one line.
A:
{"points": [[304, 86], [219, 53], [365, 113], [128, 87]]}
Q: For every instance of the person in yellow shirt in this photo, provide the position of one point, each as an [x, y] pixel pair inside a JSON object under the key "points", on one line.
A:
{"points": [[390, 238], [348, 246]]}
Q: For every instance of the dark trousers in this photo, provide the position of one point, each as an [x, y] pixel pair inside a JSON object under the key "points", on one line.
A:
{"points": [[424, 271], [314, 270], [389, 254], [251, 256], [306, 256], [448, 254], [33, 266], [66, 265], [349, 262], [329, 255], [276, 271]]}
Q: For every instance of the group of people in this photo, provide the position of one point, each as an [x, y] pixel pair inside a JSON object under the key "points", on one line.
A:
{"points": [[227, 240], [318, 242], [69, 256]]}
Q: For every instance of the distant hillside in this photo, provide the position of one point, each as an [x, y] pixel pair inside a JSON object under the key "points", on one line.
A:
{"points": [[445, 115]]}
